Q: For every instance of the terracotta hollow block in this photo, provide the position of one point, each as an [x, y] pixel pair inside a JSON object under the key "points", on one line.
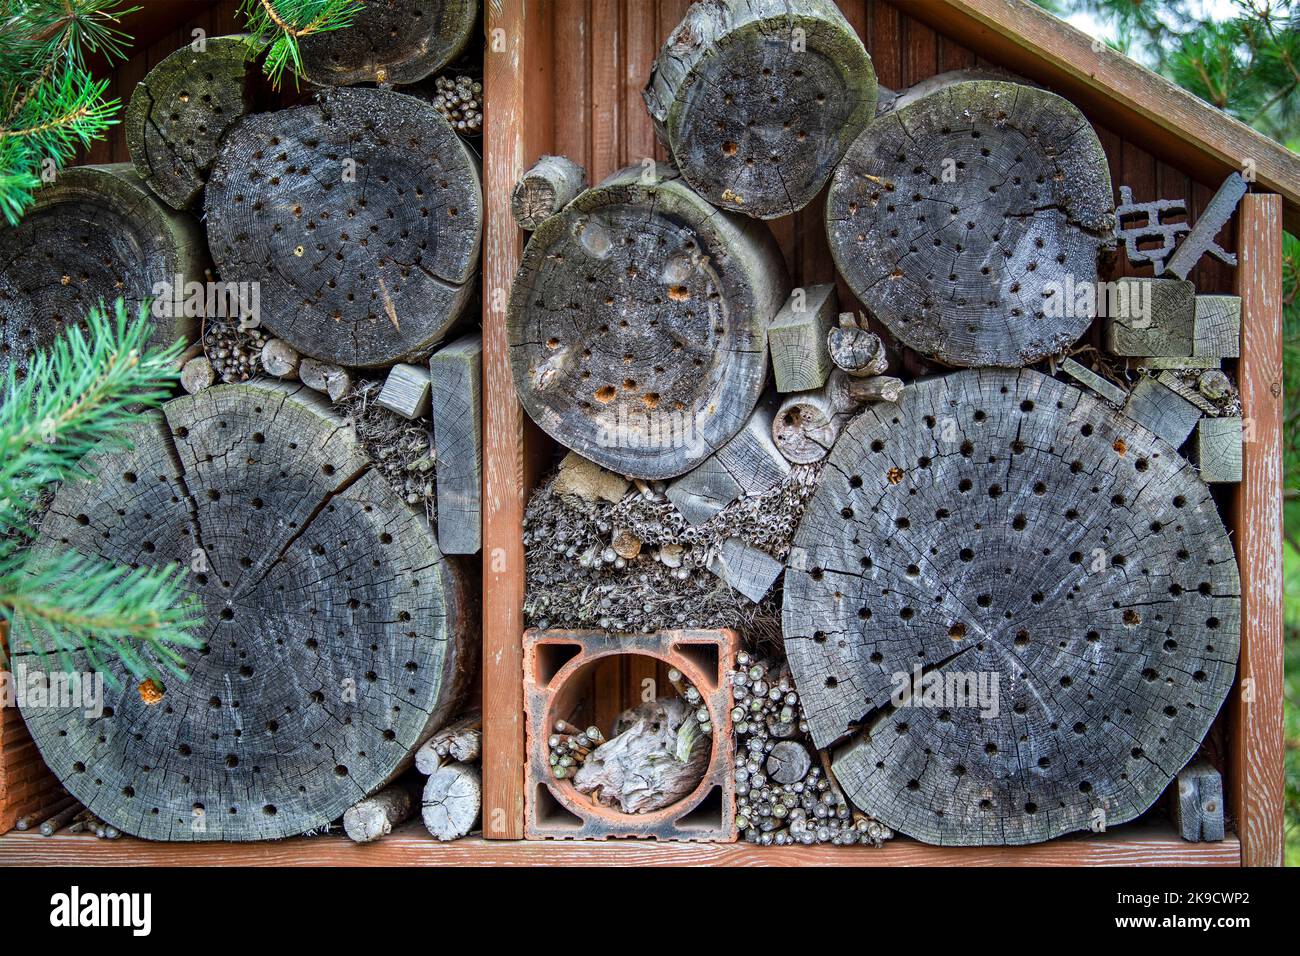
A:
{"points": [[557, 666]]}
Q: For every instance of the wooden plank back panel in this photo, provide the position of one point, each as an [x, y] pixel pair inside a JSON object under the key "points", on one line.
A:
{"points": [[26, 784]]}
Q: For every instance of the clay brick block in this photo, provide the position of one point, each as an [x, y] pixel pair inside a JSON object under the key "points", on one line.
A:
{"points": [[555, 665]]}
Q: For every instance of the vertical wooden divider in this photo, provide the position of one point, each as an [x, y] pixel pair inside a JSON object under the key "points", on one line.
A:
{"points": [[518, 117], [1256, 780]]}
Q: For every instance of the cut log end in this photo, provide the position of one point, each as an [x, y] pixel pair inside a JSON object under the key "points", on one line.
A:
{"points": [[550, 185], [452, 802], [390, 42]]}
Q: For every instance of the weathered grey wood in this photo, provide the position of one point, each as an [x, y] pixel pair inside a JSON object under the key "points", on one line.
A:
{"points": [[1198, 803], [581, 478], [757, 100], [335, 637], [1086, 376], [796, 339], [375, 817], [391, 41], [806, 425], [406, 391], [856, 349], [1217, 451], [453, 800], [961, 219], [788, 762], [1200, 239], [181, 109], [95, 233], [746, 569], [638, 323], [1000, 525], [1161, 362], [748, 464], [280, 359], [461, 741], [326, 377], [1161, 411], [546, 188], [1152, 317], [360, 215], [457, 374], [1217, 326], [1188, 389], [197, 374]]}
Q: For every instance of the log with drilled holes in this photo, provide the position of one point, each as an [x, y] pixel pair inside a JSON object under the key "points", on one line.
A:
{"points": [[757, 100], [360, 215], [391, 41], [637, 323], [95, 233], [181, 109], [335, 636], [966, 219], [1013, 611]]}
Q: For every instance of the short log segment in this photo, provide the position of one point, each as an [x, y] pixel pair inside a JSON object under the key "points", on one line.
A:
{"points": [[335, 636], [376, 816], [550, 185], [1198, 803], [360, 215], [96, 233], [807, 424], [391, 41], [181, 109], [461, 741], [757, 100], [963, 219], [453, 800], [1024, 609], [638, 323]]}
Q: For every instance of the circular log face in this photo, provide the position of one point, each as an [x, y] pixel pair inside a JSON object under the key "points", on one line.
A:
{"points": [[967, 218], [637, 325], [360, 216], [94, 234], [1022, 606], [391, 41], [334, 637]]}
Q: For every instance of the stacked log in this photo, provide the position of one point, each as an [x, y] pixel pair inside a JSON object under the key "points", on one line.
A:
{"points": [[391, 42]]}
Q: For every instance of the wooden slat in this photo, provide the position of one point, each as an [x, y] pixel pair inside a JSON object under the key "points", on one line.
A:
{"points": [[1256, 783], [571, 73], [607, 105]]}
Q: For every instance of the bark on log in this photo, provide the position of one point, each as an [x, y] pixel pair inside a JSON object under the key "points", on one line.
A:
{"points": [[391, 41], [757, 100], [181, 109], [457, 415], [807, 424], [376, 816], [638, 323], [962, 218], [550, 185], [94, 233], [1004, 526], [360, 215], [453, 800], [335, 636]]}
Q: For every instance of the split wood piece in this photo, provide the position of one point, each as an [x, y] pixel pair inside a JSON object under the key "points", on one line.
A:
{"points": [[1151, 317], [461, 740], [638, 323], [280, 359], [181, 109], [550, 185], [1198, 803], [335, 637], [579, 477], [1200, 239], [1102, 386], [1162, 362], [788, 762], [856, 349], [746, 569], [360, 215], [757, 100], [375, 817], [960, 219], [1004, 526], [748, 464], [1190, 390], [453, 800], [797, 339], [197, 374], [1161, 411], [457, 373], [806, 425], [60, 818], [1218, 449], [1218, 326], [95, 233], [406, 391], [325, 377], [390, 41]]}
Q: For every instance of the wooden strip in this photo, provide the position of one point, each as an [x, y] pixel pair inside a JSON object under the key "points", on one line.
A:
{"points": [[606, 88], [639, 139], [884, 44], [570, 98], [457, 375], [1256, 783]]}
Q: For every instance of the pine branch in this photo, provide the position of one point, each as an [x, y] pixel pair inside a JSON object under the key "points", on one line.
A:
{"points": [[278, 25]]}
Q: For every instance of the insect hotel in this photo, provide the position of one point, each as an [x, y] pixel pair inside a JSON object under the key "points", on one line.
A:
{"points": [[723, 433]]}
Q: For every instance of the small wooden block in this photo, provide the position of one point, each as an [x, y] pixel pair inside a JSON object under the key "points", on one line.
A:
{"points": [[406, 391], [797, 339], [1218, 450], [746, 569], [1161, 362], [1151, 317], [1218, 326], [1086, 376], [1198, 803], [457, 373], [1162, 411]]}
